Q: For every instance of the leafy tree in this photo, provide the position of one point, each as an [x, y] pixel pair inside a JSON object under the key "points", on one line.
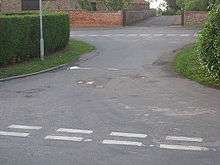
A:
{"points": [[85, 5], [172, 4], [116, 5], [209, 42], [213, 3], [197, 5]]}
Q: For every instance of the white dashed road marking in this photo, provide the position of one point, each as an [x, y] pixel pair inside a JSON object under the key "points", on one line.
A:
{"points": [[90, 82], [106, 35], [129, 143], [134, 135], [113, 69], [64, 138], [78, 68], [158, 35], [79, 35], [181, 138], [144, 35], [132, 35], [110, 141], [171, 35], [93, 35], [24, 127], [119, 35], [17, 134], [75, 131], [185, 35], [185, 148]]}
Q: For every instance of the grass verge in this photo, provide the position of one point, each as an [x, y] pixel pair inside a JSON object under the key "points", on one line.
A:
{"points": [[71, 53], [187, 64]]}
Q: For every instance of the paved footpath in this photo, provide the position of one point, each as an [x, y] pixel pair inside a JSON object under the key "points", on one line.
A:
{"points": [[120, 105]]}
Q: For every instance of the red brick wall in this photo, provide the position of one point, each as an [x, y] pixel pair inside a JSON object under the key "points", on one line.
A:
{"points": [[95, 19], [195, 18]]}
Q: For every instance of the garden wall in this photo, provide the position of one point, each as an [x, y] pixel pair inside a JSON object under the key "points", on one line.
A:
{"points": [[80, 19], [195, 18], [84, 19]]}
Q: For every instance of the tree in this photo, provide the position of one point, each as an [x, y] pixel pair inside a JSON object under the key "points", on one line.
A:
{"points": [[172, 4], [116, 5], [197, 5]]}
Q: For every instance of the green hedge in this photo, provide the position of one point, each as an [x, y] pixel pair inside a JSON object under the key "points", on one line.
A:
{"points": [[20, 35], [196, 5], [209, 42]]}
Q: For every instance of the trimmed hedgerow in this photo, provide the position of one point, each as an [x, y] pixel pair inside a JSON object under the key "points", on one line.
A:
{"points": [[20, 35], [209, 43]]}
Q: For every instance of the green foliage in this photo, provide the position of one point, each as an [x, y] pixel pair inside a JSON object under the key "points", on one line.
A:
{"points": [[172, 5], [197, 5], [20, 35], [188, 64], [213, 3], [116, 5], [86, 5], [209, 42], [71, 53]]}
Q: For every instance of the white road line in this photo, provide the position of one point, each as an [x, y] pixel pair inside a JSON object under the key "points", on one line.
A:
{"points": [[79, 35], [181, 138], [132, 35], [93, 35], [181, 147], [171, 35], [185, 35], [90, 82], [123, 134], [158, 35], [112, 69], [106, 35], [119, 35], [64, 138], [17, 134], [129, 143], [144, 35], [78, 68], [74, 131], [24, 127]]}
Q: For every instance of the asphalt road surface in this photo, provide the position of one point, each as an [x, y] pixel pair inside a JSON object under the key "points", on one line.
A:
{"points": [[120, 105]]}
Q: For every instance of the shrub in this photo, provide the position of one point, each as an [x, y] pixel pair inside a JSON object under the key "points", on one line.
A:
{"points": [[20, 35], [193, 5], [209, 42], [196, 5]]}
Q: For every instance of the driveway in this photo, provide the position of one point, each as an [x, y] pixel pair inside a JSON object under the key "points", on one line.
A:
{"points": [[120, 105]]}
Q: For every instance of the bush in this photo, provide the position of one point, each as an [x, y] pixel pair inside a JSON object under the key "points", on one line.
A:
{"points": [[193, 5], [209, 42], [20, 35], [196, 5]]}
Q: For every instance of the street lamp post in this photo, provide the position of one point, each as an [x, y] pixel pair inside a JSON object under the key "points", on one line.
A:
{"points": [[41, 32]]}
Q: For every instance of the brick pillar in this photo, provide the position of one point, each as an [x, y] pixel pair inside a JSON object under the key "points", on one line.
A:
{"points": [[11, 5]]}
